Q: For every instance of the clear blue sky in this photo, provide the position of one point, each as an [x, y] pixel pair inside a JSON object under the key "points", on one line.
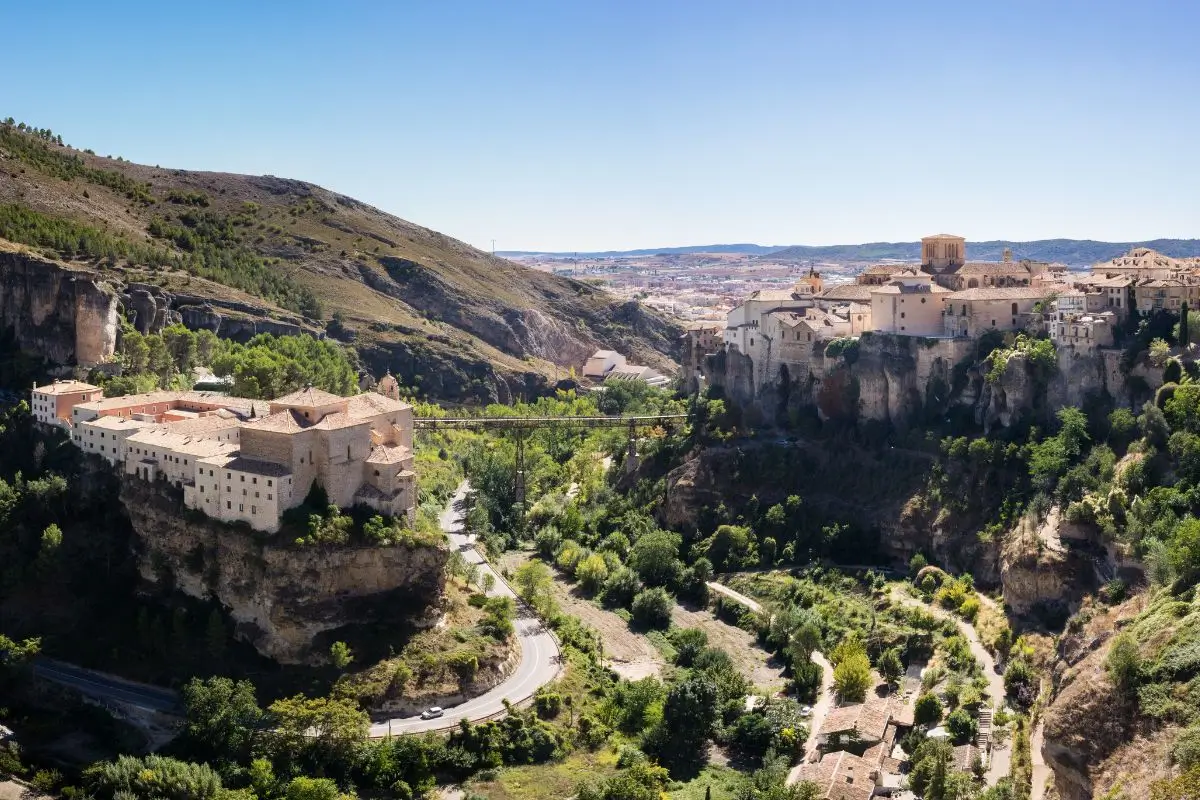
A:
{"points": [[589, 124]]}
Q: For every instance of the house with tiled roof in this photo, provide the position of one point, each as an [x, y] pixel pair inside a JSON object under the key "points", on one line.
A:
{"points": [[52, 404], [240, 460], [841, 776], [974, 311], [910, 305]]}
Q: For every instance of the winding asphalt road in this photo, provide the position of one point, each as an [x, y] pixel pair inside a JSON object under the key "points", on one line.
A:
{"points": [[540, 656], [108, 688]]}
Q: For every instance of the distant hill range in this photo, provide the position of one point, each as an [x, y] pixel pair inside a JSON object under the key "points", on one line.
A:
{"points": [[1075, 252]]}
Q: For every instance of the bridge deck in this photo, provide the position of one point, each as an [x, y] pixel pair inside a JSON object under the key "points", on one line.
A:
{"points": [[547, 422]]}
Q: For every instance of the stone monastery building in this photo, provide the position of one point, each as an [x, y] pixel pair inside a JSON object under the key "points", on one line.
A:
{"points": [[250, 461]]}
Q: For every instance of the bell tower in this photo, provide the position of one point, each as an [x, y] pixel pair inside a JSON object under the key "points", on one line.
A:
{"points": [[943, 253]]}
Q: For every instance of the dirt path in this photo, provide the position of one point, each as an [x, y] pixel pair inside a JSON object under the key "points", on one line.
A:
{"points": [[825, 701], [11, 790], [1000, 762], [748, 602], [1041, 772]]}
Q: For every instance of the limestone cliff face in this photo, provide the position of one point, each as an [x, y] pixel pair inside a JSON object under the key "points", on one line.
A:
{"points": [[280, 597], [1040, 572], [151, 308], [894, 379], [70, 314], [66, 314]]}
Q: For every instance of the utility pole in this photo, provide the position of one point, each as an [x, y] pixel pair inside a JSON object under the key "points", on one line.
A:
{"points": [[493, 247]]}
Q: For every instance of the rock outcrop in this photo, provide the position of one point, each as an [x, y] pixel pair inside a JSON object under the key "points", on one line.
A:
{"points": [[151, 308], [282, 598], [61, 312], [1041, 573]]}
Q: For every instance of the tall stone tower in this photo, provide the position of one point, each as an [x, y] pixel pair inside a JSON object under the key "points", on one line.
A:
{"points": [[943, 253]]}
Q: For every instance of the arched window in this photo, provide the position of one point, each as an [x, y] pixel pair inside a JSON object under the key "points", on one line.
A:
{"points": [[1014, 309]]}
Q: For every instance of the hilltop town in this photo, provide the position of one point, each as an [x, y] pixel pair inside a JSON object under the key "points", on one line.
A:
{"points": [[945, 297]]}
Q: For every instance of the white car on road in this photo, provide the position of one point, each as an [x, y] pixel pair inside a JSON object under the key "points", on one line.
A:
{"points": [[432, 713]]}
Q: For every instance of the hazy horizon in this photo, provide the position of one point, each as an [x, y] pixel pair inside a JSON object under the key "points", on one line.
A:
{"points": [[570, 127]]}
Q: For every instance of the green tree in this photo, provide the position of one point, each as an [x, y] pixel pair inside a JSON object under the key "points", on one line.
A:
{"points": [[890, 666], [652, 608], [319, 730], [223, 718], [731, 547], [1159, 351], [500, 611], [532, 581], [655, 558], [16, 659], [852, 677], [340, 655], [592, 572], [621, 587], [928, 710], [688, 643], [312, 789], [51, 543], [689, 716], [961, 726], [1124, 663]]}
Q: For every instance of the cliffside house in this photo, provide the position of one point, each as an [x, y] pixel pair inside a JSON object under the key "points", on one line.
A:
{"points": [[973, 311], [702, 339], [743, 325], [601, 363], [1082, 331], [855, 298], [1142, 263], [1117, 291], [1166, 294], [52, 404], [911, 304], [250, 461]]}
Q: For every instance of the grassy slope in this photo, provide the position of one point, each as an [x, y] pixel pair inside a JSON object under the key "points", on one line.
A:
{"points": [[428, 294]]}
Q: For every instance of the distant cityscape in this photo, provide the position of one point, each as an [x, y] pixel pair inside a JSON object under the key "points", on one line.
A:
{"points": [[692, 287]]}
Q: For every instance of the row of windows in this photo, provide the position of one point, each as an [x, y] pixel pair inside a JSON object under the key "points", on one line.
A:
{"points": [[229, 490]]}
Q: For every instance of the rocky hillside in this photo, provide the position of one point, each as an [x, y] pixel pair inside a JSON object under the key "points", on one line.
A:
{"points": [[448, 319]]}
